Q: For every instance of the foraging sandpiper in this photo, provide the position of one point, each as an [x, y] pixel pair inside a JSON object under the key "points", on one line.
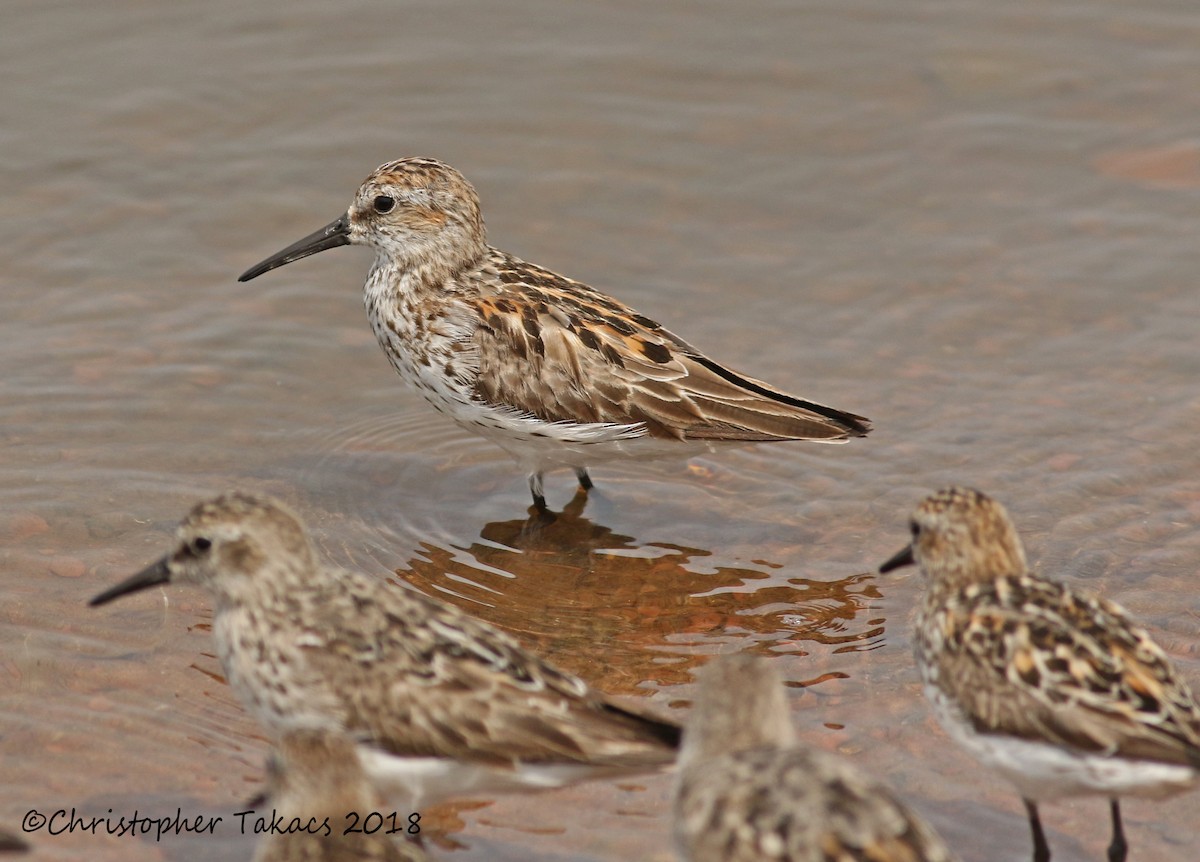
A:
{"points": [[1060, 692], [442, 704], [553, 371]]}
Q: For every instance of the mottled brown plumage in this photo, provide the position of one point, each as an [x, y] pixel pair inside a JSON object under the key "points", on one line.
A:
{"points": [[747, 790], [558, 350], [1076, 671], [1060, 691], [441, 703], [552, 370]]}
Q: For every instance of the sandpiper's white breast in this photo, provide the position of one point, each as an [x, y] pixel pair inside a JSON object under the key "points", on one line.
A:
{"points": [[428, 340]]}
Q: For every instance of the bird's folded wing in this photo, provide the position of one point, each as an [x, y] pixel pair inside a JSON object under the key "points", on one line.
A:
{"points": [[420, 678], [1071, 670], [563, 352]]}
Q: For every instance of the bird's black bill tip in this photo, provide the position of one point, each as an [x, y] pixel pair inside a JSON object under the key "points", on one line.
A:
{"points": [[899, 560], [336, 233], [155, 573]]}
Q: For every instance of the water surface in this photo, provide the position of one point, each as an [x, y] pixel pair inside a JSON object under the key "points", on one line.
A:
{"points": [[973, 222]]}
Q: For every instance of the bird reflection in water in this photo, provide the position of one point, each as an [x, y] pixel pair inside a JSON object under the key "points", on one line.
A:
{"points": [[630, 616]]}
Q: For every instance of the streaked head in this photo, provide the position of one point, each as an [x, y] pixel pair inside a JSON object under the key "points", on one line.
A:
{"points": [[225, 545], [413, 212], [960, 535]]}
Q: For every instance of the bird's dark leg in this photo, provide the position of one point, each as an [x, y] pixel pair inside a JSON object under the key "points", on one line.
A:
{"points": [[1041, 850], [535, 488], [585, 481], [1118, 848]]}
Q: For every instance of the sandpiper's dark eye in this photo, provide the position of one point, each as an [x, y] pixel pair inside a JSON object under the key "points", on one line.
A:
{"points": [[913, 528], [200, 545], [384, 204]]}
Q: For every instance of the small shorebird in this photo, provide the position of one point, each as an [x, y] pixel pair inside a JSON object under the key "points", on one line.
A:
{"points": [[748, 790], [318, 785], [441, 704], [1058, 691], [556, 373]]}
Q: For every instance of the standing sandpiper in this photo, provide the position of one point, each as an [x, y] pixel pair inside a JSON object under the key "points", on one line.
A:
{"points": [[1060, 692], [556, 373], [747, 790], [318, 786], [441, 704]]}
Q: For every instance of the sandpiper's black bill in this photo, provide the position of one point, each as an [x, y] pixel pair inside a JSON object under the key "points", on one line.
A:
{"points": [[336, 233], [904, 558], [155, 573]]}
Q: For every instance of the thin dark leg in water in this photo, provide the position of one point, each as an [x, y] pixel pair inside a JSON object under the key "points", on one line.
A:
{"points": [[535, 488], [585, 481], [1041, 850], [1118, 848]]}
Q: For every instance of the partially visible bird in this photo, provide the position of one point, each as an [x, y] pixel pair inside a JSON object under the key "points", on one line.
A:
{"points": [[441, 704], [748, 790], [326, 808], [1059, 691]]}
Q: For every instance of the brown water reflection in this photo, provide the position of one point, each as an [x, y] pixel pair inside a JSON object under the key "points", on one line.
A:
{"points": [[974, 222], [647, 608]]}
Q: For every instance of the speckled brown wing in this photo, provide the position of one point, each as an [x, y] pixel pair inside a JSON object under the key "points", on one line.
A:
{"points": [[795, 805], [1029, 658], [563, 352], [428, 680]]}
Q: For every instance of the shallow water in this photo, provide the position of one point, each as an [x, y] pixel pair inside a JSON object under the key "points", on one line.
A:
{"points": [[973, 222]]}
